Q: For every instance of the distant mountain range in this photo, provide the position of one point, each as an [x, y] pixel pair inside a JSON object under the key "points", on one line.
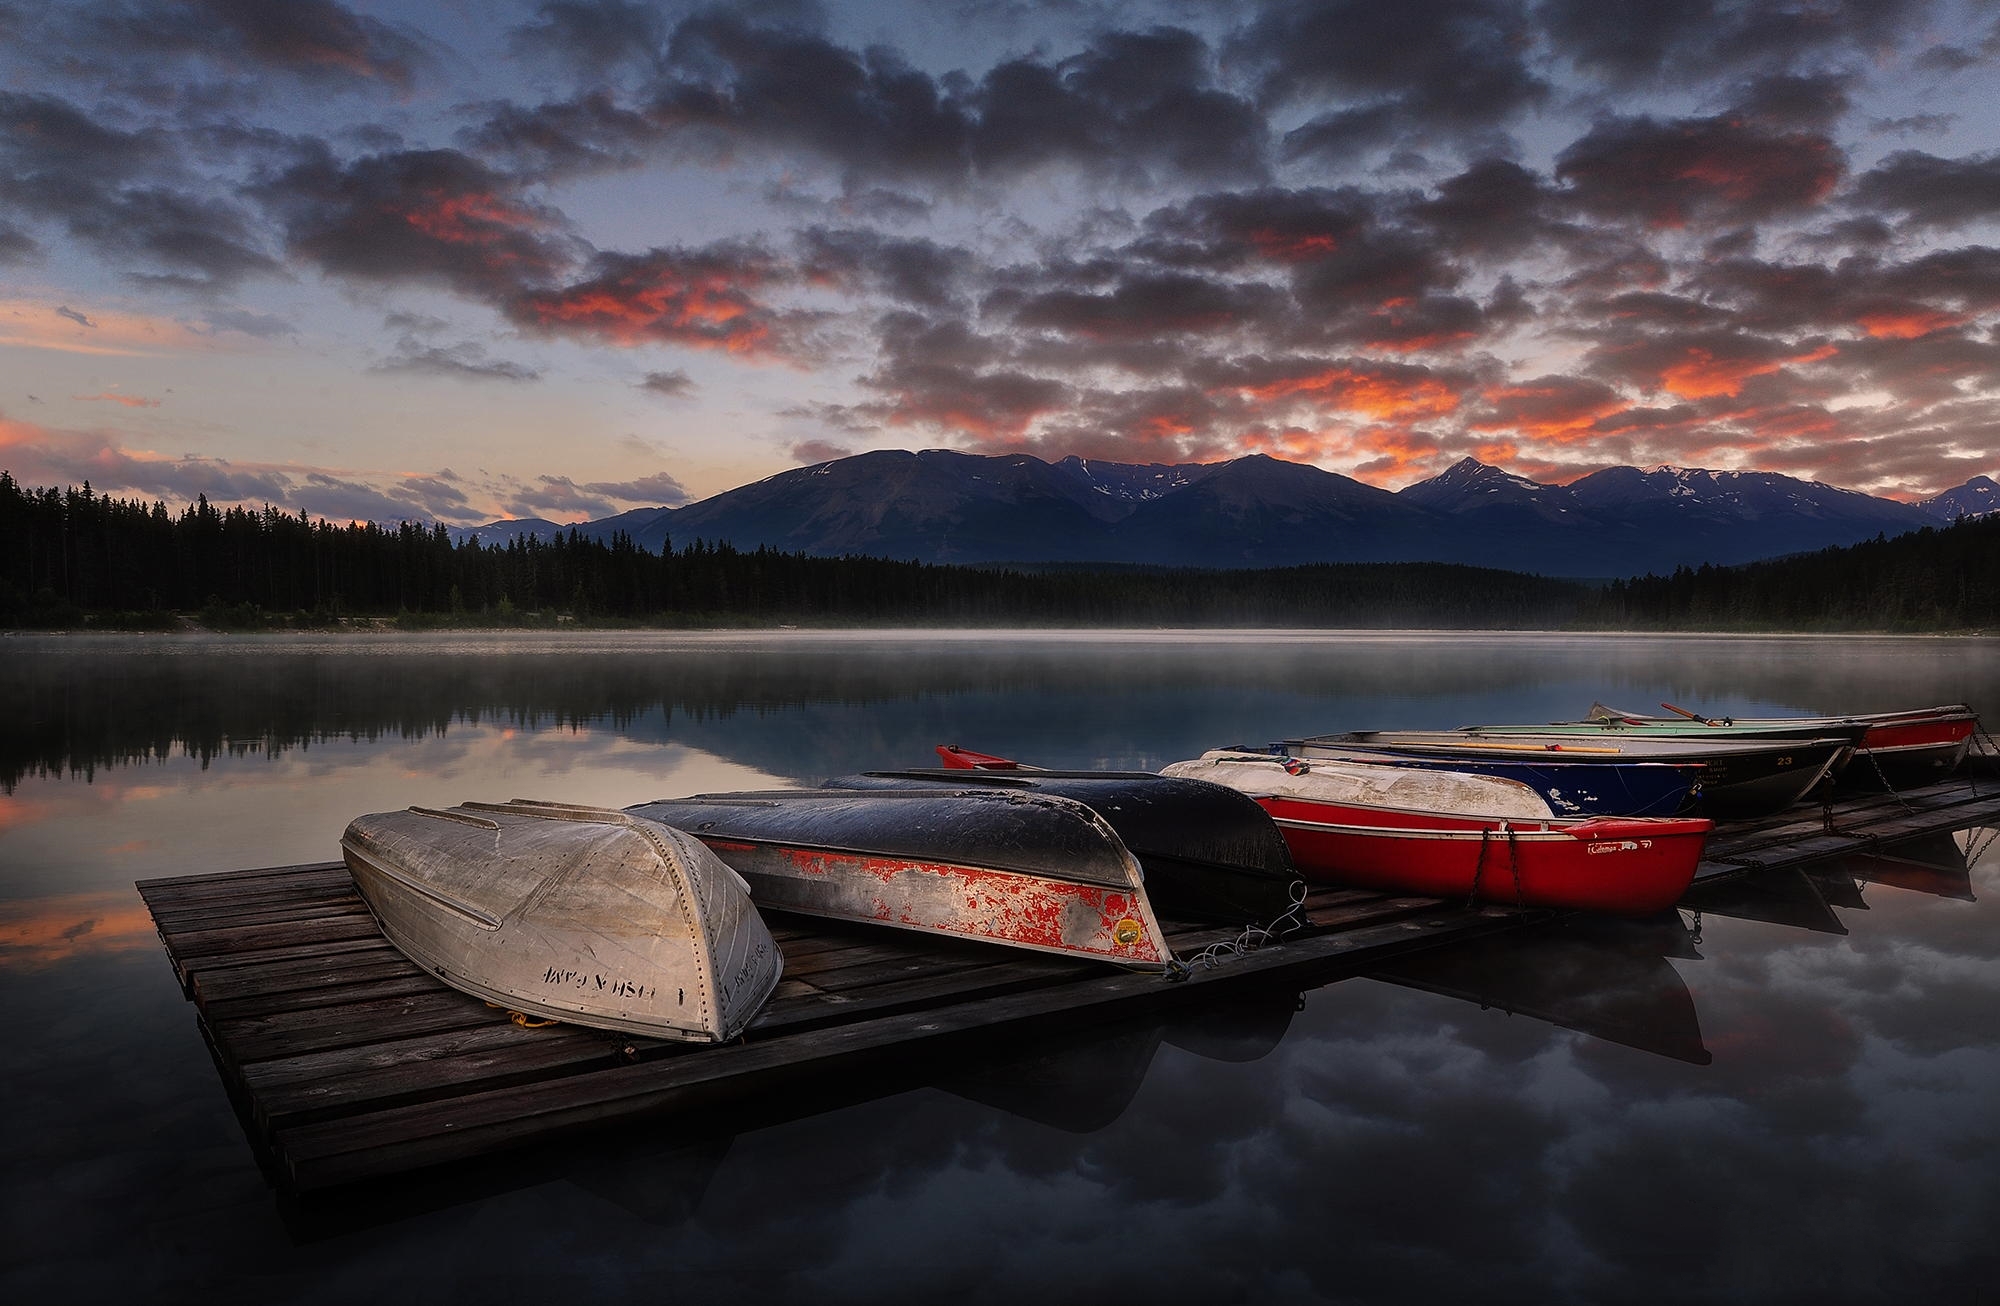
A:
{"points": [[945, 506]]}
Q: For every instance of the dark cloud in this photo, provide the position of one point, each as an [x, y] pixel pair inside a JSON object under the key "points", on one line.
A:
{"points": [[703, 298], [1928, 124], [439, 494], [1425, 322], [1968, 276], [316, 39], [943, 375], [49, 457], [1267, 226], [1366, 387], [658, 489], [1947, 59], [263, 326], [1625, 41], [191, 241], [1932, 192], [553, 496], [16, 246], [1334, 138], [101, 183], [1797, 100], [467, 361], [818, 451], [592, 133], [672, 385], [64, 310], [1384, 268], [54, 154], [1934, 368], [1456, 65], [1129, 105], [869, 113], [1142, 101], [1698, 364], [1559, 409], [1142, 305], [914, 271], [1860, 295], [594, 36], [1673, 173], [341, 499], [420, 323], [1493, 208], [423, 215]]}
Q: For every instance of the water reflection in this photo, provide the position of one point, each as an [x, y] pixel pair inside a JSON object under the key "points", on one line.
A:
{"points": [[1782, 897], [1798, 1105], [1939, 865], [1610, 979], [36, 933], [810, 705]]}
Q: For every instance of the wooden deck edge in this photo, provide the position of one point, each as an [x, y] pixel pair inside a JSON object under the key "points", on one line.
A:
{"points": [[401, 1139]]}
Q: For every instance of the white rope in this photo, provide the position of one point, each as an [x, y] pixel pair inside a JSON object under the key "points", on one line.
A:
{"points": [[1252, 938]]}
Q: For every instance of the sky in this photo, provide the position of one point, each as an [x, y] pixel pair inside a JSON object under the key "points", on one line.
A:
{"points": [[455, 261]]}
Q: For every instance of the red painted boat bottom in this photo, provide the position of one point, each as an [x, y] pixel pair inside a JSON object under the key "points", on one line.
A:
{"points": [[1618, 865], [1042, 913]]}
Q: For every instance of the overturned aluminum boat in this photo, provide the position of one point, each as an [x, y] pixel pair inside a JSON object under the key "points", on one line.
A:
{"points": [[1029, 870], [580, 914]]}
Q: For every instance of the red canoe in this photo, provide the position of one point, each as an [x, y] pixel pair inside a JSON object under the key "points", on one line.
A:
{"points": [[1450, 835]]}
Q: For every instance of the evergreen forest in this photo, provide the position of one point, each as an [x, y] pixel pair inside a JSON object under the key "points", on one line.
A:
{"points": [[71, 558]]}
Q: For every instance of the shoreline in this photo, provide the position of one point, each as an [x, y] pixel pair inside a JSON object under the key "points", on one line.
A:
{"points": [[379, 627]]}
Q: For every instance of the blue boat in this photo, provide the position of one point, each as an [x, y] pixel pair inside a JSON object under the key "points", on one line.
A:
{"points": [[1571, 787]]}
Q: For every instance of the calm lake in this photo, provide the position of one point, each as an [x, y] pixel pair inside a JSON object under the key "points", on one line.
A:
{"points": [[1793, 1096]]}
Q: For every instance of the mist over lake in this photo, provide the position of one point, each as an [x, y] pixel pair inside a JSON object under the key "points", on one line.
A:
{"points": [[1784, 1095]]}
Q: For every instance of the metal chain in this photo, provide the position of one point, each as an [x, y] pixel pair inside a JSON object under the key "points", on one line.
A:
{"points": [[1514, 864], [1478, 867]]}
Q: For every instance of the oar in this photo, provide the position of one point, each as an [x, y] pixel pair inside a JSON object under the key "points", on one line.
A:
{"points": [[1692, 716], [1519, 748]]}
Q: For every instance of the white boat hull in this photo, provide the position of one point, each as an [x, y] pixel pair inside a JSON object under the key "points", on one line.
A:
{"points": [[583, 915]]}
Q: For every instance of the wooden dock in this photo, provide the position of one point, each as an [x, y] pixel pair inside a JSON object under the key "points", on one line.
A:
{"points": [[347, 1063], [1809, 834]]}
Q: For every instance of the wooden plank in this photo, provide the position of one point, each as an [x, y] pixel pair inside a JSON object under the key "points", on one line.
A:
{"points": [[273, 895], [173, 926], [428, 1133], [193, 889], [488, 1061], [916, 993], [349, 1024], [232, 938], [221, 961], [220, 877], [497, 1035], [265, 1004], [305, 973]]}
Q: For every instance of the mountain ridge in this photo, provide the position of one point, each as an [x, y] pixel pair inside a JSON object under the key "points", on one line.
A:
{"points": [[950, 506]]}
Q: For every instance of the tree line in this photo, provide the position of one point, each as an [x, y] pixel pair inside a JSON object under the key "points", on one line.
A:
{"points": [[1936, 578], [71, 557]]}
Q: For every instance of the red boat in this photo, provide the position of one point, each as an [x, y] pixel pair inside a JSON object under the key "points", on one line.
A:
{"points": [[1901, 749], [1448, 834]]}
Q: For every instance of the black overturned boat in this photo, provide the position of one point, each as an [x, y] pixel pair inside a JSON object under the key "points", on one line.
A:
{"points": [[1209, 851], [1029, 870]]}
